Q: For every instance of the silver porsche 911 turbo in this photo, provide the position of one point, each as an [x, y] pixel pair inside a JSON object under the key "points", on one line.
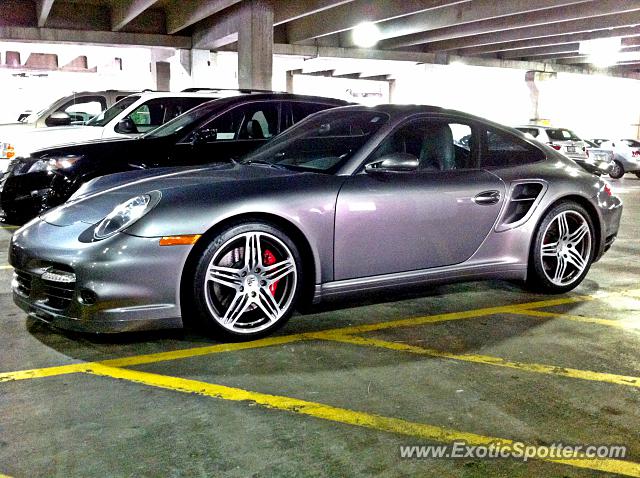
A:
{"points": [[350, 200]]}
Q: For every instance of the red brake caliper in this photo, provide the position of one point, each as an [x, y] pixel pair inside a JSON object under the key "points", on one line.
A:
{"points": [[269, 259]]}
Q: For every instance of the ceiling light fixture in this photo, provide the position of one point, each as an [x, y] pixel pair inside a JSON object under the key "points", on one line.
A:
{"points": [[366, 35], [602, 52]]}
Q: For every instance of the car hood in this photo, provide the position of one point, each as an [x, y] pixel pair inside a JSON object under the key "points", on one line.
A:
{"points": [[27, 141], [11, 129], [97, 198]]}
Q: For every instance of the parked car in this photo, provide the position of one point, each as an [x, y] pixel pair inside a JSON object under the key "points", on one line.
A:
{"points": [[560, 139], [214, 131], [600, 158], [348, 201], [598, 141], [626, 156], [131, 116], [62, 112]]}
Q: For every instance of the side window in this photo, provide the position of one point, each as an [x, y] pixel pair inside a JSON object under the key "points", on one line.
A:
{"points": [[439, 145], [501, 149], [83, 108], [158, 111], [302, 110], [252, 121]]}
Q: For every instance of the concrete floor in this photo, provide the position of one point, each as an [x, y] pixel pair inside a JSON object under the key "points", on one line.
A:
{"points": [[338, 403]]}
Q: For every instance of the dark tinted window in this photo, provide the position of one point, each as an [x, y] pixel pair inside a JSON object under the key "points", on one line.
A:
{"points": [[321, 143], [158, 111], [560, 134], [500, 149], [532, 131], [106, 116], [252, 121], [438, 145], [302, 110], [631, 143]]}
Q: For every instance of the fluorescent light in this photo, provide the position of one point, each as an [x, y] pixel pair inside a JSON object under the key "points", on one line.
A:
{"points": [[602, 52], [366, 35]]}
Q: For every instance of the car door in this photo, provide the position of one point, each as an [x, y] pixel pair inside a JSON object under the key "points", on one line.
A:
{"points": [[231, 134], [436, 215]]}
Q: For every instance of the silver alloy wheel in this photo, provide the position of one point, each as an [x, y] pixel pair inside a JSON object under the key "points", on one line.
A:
{"points": [[566, 248], [616, 172], [243, 293]]}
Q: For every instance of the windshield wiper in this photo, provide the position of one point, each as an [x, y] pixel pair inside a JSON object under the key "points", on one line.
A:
{"points": [[262, 162]]}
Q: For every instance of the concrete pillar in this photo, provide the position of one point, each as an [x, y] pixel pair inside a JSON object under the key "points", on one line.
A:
{"points": [[289, 81], [162, 75], [539, 111], [201, 68], [255, 45]]}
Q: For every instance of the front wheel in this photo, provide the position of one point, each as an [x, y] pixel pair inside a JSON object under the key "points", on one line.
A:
{"points": [[617, 171], [247, 281], [562, 250]]}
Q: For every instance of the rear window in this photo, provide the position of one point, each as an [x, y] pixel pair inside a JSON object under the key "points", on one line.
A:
{"points": [[500, 149], [632, 143], [532, 131], [560, 134]]}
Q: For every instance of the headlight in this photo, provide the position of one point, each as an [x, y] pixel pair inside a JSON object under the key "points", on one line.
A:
{"points": [[51, 164], [125, 214]]}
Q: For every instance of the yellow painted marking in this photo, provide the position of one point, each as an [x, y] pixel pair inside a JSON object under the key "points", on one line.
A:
{"points": [[198, 351], [149, 358], [9, 227], [488, 360], [7, 266], [343, 415], [623, 323], [4, 476]]}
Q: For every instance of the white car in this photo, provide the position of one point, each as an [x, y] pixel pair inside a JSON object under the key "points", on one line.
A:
{"points": [[132, 115], [626, 156], [560, 139], [75, 108]]}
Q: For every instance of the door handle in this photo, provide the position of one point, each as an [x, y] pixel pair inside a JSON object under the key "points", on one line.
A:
{"points": [[487, 198]]}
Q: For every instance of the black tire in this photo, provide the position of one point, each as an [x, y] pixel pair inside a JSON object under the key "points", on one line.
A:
{"points": [[618, 171], [538, 273], [247, 289], [637, 175]]}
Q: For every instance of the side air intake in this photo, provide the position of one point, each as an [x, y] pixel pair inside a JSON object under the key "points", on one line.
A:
{"points": [[523, 197]]}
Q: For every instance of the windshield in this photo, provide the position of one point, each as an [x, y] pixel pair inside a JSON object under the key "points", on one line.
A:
{"points": [[321, 143], [107, 115], [632, 143], [179, 123], [561, 134]]}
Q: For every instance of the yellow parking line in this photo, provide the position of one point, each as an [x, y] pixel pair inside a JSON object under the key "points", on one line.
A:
{"points": [[198, 351], [7, 226], [623, 323], [6, 266], [148, 358], [488, 360], [345, 416]]}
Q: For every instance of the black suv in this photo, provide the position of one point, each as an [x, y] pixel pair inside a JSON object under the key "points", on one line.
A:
{"points": [[218, 130]]}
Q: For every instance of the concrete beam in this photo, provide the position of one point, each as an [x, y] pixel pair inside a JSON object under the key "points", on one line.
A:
{"points": [[124, 11], [540, 17], [628, 32], [557, 49], [184, 13], [287, 11], [43, 8], [219, 30], [629, 20], [347, 16], [49, 35], [430, 58], [461, 14]]}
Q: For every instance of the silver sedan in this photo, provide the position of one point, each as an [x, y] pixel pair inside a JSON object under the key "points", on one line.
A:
{"points": [[350, 200]]}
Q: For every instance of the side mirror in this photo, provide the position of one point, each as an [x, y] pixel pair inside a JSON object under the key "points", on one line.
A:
{"points": [[204, 136], [58, 118], [393, 163], [126, 126]]}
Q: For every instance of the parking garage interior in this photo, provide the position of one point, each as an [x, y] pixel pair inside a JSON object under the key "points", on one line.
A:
{"points": [[361, 385]]}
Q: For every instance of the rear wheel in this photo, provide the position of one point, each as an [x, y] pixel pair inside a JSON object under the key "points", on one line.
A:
{"points": [[617, 171], [562, 249], [637, 175], [247, 281]]}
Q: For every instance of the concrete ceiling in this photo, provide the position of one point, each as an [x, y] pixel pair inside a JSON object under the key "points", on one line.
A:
{"points": [[548, 31]]}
